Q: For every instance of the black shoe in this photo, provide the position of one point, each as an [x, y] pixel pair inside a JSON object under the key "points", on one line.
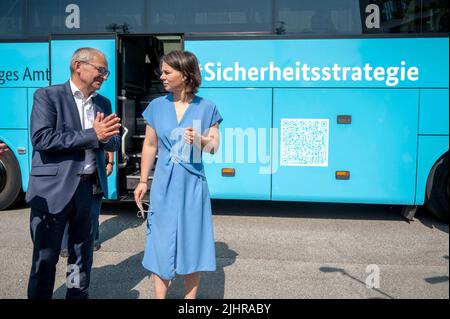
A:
{"points": [[64, 253], [97, 246]]}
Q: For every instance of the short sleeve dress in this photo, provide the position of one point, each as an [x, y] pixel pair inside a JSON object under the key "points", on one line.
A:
{"points": [[180, 234]]}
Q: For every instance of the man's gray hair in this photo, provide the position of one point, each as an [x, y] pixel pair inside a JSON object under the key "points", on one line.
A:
{"points": [[85, 55]]}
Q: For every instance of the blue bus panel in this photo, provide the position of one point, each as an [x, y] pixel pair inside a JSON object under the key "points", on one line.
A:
{"points": [[378, 147], [24, 65], [14, 108], [391, 87], [374, 63], [433, 111], [245, 144]]}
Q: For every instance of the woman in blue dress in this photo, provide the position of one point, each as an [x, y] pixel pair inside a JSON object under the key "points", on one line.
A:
{"points": [[180, 126]]}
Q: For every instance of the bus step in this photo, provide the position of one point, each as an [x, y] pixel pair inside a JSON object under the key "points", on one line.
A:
{"points": [[140, 125], [129, 197], [133, 181], [138, 155], [138, 177]]}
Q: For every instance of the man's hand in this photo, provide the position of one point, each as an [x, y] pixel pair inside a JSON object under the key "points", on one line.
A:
{"points": [[109, 169], [3, 149], [106, 127]]}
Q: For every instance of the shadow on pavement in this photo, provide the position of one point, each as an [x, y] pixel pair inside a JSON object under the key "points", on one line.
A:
{"points": [[320, 210], [118, 281], [114, 281], [306, 210], [122, 221], [438, 279], [427, 219], [212, 284], [345, 273]]}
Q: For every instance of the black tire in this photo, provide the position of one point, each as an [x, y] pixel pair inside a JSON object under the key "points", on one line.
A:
{"points": [[436, 197], [10, 180]]}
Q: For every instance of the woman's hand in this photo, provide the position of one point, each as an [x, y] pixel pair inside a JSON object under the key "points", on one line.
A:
{"points": [[190, 135], [139, 192], [208, 143]]}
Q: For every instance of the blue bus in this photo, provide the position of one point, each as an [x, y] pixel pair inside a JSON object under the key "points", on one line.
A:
{"points": [[324, 101]]}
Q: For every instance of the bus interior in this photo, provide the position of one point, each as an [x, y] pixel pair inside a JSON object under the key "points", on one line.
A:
{"points": [[138, 63]]}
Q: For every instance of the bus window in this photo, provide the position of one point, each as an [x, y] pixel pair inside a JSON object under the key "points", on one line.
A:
{"points": [[210, 16], [11, 18], [82, 16], [46, 17], [435, 16], [391, 16], [317, 17]]}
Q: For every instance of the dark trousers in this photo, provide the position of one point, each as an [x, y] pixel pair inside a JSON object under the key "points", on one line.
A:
{"points": [[65, 240], [81, 215]]}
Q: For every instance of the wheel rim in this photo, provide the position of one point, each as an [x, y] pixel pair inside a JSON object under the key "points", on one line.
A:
{"points": [[2, 176]]}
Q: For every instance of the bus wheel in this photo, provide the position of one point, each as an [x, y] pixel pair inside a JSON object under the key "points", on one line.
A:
{"points": [[10, 180], [438, 190]]}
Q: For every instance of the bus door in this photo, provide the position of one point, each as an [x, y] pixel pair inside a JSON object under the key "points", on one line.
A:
{"points": [[138, 78], [61, 49]]}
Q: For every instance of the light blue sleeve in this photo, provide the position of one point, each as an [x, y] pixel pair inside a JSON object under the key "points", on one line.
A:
{"points": [[149, 114], [216, 118]]}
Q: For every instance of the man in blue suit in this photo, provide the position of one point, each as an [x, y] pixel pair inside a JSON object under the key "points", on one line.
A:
{"points": [[71, 127]]}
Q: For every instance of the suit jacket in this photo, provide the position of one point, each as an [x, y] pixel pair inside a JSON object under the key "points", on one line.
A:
{"points": [[59, 144]]}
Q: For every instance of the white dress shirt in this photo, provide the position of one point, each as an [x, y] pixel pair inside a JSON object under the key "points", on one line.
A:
{"points": [[87, 116]]}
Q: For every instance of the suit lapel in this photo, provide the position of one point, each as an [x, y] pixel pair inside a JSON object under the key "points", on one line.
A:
{"points": [[72, 106], [97, 107]]}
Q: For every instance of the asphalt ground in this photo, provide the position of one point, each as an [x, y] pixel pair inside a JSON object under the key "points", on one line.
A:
{"points": [[263, 250]]}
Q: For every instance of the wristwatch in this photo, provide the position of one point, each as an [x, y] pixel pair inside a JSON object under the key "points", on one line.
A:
{"points": [[112, 163]]}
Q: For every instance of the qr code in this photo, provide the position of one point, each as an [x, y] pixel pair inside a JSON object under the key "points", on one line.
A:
{"points": [[304, 142]]}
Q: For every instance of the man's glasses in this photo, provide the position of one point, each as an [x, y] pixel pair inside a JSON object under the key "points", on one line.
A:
{"points": [[101, 70]]}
